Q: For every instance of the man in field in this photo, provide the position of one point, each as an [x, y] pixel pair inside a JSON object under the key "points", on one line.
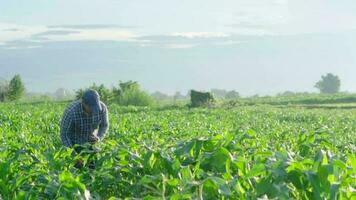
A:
{"points": [[84, 121]]}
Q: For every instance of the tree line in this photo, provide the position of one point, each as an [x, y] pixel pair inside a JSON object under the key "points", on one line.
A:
{"points": [[130, 93]]}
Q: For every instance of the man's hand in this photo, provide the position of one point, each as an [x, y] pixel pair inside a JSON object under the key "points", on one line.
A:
{"points": [[93, 139]]}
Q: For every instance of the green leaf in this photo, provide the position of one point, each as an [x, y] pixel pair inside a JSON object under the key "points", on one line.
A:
{"points": [[219, 161], [264, 186], [256, 170], [173, 182], [223, 187], [186, 174]]}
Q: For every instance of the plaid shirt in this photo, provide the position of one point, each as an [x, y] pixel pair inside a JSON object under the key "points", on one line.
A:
{"points": [[77, 126]]}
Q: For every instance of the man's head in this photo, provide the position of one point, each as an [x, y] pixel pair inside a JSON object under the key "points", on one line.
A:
{"points": [[91, 101]]}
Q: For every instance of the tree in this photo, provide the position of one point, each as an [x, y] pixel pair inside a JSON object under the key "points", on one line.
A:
{"points": [[232, 95], [159, 96], [218, 93], [4, 89], [178, 96], [329, 84], [16, 88], [123, 87]]}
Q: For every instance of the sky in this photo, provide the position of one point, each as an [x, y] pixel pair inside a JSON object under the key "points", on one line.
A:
{"points": [[251, 46]]}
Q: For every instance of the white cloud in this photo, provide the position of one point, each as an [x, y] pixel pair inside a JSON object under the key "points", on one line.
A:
{"points": [[15, 32], [179, 46], [24, 37], [192, 35], [95, 35], [12, 32], [229, 42], [22, 47]]}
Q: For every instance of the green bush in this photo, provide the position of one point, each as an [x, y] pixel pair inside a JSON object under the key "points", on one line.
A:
{"points": [[135, 97], [200, 98], [127, 94], [105, 94]]}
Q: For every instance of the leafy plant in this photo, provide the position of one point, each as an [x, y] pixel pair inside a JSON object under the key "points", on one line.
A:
{"points": [[258, 152]]}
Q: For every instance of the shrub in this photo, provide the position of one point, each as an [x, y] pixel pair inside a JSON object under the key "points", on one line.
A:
{"points": [[105, 94], [200, 98], [135, 97], [129, 93]]}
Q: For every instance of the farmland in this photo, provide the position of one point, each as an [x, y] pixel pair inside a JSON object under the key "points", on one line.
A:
{"points": [[240, 152]]}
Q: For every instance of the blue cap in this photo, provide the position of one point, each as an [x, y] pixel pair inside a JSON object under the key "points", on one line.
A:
{"points": [[92, 99]]}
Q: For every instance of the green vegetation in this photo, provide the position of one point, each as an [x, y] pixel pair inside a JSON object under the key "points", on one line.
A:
{"points": [[200, 98], [105, 94], [300, 99], [329, 84], [127, 94], [224, 94], [4, 88], [12, 91], [245, 152]]}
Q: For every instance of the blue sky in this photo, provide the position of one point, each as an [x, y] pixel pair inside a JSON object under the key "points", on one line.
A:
{"points": [[252, 46]]}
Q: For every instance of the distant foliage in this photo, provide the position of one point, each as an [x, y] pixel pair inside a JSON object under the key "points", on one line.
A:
{"points": [[135, 98], [219, 93], [32, 98], [62, 94], [16, 88], [159, 96], [129, 93], [200, 98], [178, 96], [329, 84], [4, 89], [232, 95], [79, 93], [106, 94], [286, 94], [224, 94]]}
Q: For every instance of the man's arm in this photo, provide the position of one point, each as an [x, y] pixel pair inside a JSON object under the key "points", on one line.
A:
{"points": [[104, 125], [66, 128]]}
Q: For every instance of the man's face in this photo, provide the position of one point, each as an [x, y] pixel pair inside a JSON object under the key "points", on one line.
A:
{"points": [[87, 108]]}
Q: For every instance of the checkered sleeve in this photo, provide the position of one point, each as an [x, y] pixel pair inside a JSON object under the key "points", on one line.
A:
{"points": [[104, 125], [67, 128]]}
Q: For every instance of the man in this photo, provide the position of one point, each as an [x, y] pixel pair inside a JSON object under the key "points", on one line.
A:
{"points": [[84, 121]]}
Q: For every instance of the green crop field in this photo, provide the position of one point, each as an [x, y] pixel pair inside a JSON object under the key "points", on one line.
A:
{"points": [[247, 152]]}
